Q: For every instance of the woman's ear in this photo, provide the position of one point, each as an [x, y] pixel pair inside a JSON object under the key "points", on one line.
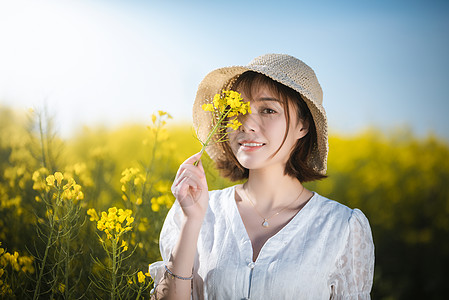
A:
{"points": [[302, 129]]}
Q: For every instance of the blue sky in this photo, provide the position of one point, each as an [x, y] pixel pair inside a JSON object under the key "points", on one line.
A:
{"points": [[380, 63]]}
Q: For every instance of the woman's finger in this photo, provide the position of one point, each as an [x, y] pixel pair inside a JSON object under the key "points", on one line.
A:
{"points": [[188, 182], [187, 189], [190, 171]]}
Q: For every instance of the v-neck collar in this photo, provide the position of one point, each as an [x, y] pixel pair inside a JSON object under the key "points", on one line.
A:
{"points": [[284, 235]]}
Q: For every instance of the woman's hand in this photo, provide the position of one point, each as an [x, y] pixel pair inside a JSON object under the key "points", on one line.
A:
{"points": [[190, 188]]}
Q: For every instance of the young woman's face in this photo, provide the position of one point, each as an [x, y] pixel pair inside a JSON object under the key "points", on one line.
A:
{"points": [[263, 131]]}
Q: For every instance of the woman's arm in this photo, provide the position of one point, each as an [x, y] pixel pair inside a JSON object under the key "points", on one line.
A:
{"points": [[190, 190]]}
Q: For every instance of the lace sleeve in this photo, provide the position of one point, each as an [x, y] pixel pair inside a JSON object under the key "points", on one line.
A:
{"points": [[352, 275], [168, 238]]}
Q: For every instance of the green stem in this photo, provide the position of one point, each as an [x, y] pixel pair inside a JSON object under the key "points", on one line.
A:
{"points": [[114, 267], [44, 260], [67, 246], [139, 293], [211, 134]]}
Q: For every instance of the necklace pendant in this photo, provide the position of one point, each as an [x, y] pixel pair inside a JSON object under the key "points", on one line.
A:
{"points": [[265, 223]]}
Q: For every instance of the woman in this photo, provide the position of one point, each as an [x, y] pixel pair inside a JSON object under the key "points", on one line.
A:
{"points": [[269, 238]]}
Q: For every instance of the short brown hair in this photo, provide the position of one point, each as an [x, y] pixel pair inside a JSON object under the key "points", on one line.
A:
{"points": [[297, 165]]}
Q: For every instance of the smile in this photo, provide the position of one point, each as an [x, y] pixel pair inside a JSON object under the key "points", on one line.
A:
{"points": [[252, 144]]}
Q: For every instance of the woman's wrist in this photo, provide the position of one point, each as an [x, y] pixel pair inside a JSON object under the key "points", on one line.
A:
{"points": [[193, 222], [183, 254]]}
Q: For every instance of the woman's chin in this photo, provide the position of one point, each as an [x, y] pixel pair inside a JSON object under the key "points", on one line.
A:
{"points": [[250, 164]]}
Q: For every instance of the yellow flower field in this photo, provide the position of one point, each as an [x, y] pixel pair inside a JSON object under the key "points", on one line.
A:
{"points": [[81, 217]]}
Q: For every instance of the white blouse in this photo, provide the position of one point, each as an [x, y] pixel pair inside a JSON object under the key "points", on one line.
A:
{"points": [[325, 252]]}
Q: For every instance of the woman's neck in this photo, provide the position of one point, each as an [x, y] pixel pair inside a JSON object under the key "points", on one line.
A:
{"points": [[269, 189]]}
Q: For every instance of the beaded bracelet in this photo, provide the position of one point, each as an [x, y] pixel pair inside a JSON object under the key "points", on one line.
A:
{"points": [[176, 276]]}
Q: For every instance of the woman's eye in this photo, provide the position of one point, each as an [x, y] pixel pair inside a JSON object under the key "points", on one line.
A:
{"points": [[268, 111]]}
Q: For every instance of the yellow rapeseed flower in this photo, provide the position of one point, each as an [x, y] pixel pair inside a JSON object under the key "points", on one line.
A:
{"points": [[93, 214], [112, 210], [50, 180], [140, 277], [162, 113], [100, 225], [208, 107], [121, 218], [155, 206], [218, 103], [26, 263], [36, 176], [124, 245], [59, 177], [79, 195], [70, 183], [141, 227], [234, 124]]}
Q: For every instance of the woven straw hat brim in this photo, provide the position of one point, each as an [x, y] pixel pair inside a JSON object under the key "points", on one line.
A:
{"points": [[305, 83]]}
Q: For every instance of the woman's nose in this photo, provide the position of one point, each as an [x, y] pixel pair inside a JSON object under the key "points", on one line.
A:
{"points": [[249, 123]]}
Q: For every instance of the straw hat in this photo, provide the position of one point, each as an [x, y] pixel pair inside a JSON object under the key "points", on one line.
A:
{"points": [[282, 68]]}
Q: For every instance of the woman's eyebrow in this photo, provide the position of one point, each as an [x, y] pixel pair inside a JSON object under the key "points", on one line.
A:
{"points": [[267, 99]]}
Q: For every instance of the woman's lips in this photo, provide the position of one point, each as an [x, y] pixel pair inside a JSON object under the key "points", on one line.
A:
{"points": [[250, 146]]}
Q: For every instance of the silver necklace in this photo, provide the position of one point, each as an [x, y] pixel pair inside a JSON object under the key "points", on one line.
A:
{"points": [[265, 220]]}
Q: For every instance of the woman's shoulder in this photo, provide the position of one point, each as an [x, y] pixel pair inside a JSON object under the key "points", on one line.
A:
{"points": [[338, 212]]}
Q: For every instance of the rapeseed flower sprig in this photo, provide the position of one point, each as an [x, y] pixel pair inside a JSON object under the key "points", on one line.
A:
{"points": [[158, 137], [63, 187], [143, 188], [60, 194], [135, 183], [226, 108], [159, 120], [114, 223]]}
